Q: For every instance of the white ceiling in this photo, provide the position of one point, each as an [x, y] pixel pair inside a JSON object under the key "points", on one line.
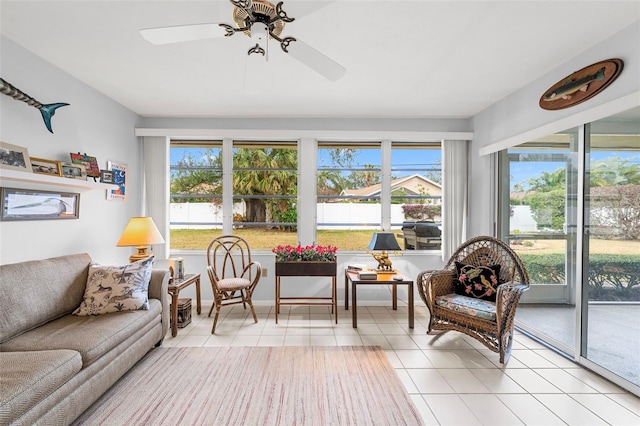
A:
{"points": [[404, 59]]}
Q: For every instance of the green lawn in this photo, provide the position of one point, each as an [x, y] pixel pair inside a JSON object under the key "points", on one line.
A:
{"points": [[261, 239]]}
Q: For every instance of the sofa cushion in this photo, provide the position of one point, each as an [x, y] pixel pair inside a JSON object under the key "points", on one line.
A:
{"points": [[479, 281], [92, 336], [468, 305], [38, 291], [116, 288], [26, 378]]}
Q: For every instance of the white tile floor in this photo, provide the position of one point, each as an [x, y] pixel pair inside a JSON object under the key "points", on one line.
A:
{"points": [[452, 379]]}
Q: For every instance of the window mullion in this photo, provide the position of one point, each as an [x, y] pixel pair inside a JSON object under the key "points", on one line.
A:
{"points": [[227, 186]]}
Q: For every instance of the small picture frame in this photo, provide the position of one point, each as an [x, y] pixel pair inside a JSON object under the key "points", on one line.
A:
{"points": [[46, 167], [74, 171], [14, 157], [90, 163], [27, 204], [106, 176]]}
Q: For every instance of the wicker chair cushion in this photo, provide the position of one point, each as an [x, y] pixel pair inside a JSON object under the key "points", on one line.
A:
{"points": [[229, 284], [468, 305], [479, 281]]}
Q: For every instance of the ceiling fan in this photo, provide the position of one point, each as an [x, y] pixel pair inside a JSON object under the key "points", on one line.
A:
{"points": [[260, 20]]}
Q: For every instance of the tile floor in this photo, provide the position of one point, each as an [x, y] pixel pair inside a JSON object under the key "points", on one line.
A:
{"points": [[452, 379]]}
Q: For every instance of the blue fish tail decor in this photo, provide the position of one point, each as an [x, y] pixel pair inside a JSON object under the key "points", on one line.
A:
{"points": [[47, 110]]}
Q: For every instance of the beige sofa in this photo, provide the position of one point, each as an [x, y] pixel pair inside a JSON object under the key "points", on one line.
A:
{"points": [[54, 365]]}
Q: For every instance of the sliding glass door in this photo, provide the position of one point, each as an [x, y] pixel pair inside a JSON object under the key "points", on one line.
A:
{"points": [[611, 261], [569, 204], [540, 225]]}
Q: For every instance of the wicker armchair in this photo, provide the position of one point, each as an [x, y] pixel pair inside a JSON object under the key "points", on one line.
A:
{"points": [[233, 274], [495, 329]]}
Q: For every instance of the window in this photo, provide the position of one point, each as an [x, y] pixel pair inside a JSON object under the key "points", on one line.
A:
{"points": [[252, 190], [348, 191], [416, 194], [357, 194], [265, 190], [195, 210]]}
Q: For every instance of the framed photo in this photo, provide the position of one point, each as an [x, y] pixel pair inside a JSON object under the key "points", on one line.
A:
{"points": [[90, 164], [14, 157], [119, 171], [74, 171], [27, 204], [46, 167], [106, 176]]}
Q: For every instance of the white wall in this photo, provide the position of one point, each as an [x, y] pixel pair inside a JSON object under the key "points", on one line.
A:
{"points": [[92, 124], [518, 118]]}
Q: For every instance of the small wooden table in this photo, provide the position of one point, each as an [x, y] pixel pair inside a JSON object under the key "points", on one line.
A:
{"points": [[352, 277], [174, 290]]}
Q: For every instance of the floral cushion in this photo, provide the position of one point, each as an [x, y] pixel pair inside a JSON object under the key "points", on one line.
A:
{"points": [[468, 305], [479, 281], [116, 288]]}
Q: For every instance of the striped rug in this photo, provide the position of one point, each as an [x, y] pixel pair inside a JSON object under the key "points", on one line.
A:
{"points": [[285, 385]]}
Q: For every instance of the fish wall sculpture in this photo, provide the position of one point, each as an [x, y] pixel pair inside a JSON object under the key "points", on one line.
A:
{"points": [[47, 110], [581, 85]]}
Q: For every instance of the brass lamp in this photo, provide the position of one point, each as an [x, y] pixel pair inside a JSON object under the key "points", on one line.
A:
{"points": [[383, 242], [140, 232]]}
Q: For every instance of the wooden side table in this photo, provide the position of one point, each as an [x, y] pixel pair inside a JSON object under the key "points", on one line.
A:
{"points": [[174, 290], [352, 277]]}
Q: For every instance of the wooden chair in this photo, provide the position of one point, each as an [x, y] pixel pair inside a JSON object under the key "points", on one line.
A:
{"points": [[232, 273], [491, 323]]}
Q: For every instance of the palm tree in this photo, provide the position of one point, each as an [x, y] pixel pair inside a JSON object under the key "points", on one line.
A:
{"points": [[264, 172]]}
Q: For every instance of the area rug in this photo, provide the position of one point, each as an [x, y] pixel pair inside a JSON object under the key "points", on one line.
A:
{"points": [[284, 385]]}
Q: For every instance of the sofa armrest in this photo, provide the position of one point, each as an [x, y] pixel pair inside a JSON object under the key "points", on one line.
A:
{"points": [[158, 289]]}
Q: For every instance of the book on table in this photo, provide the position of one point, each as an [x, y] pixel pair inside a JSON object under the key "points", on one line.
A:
{"points": [[357, 267], [369, 274]]}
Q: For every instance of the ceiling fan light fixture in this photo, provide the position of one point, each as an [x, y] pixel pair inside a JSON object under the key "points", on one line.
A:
{"points": [[260, 20]]}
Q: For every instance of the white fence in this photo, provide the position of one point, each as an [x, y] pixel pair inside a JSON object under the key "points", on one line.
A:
{"points": [[335, 215]]}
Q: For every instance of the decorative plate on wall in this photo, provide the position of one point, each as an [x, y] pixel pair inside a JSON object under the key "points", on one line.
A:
{"points": [[581, 85]]}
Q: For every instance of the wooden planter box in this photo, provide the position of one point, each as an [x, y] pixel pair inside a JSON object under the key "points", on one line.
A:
{"points": [[306, 269]]}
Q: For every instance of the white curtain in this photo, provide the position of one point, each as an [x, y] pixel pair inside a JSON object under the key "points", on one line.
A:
{"points": [[454, 188], [156, 189]]}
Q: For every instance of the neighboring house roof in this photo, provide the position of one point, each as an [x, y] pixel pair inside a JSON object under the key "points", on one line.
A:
{"points": [[412, 185]]}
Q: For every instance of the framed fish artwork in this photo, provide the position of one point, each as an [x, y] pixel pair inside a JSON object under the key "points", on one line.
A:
{"points": [[581, 85]]}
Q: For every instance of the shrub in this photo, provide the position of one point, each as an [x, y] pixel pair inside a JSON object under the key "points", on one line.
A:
{"points": [[611, 276], [421, 211]]}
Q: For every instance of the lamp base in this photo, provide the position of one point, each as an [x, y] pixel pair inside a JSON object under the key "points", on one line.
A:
{"points": [[141, 254]]}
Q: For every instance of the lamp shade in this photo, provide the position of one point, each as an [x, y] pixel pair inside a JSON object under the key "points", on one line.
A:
{"points": [[384, 241], [140, 231]]}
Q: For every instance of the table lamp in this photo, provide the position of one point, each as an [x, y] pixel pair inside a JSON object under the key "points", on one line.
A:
{"points": [[383, 242], [140, 232]]}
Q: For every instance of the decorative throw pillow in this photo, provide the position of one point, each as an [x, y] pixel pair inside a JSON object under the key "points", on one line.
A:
{"points": [[480, 282], [116, 288]]}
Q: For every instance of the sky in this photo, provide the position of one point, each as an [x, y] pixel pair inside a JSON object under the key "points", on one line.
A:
{"points": [[407, 159]]}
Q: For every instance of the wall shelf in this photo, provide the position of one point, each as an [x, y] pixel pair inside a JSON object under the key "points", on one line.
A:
{"points": [[18, 176]]}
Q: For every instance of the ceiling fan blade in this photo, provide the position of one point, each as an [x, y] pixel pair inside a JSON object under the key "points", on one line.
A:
{"points": [[317, 61], [180, 33]]}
